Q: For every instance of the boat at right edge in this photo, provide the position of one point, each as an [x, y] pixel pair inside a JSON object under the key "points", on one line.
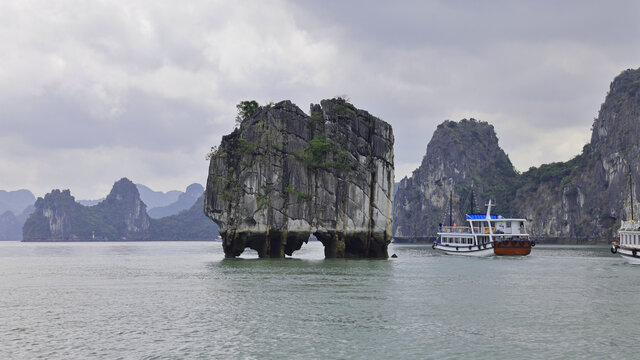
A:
{"points": [[628, 242]]}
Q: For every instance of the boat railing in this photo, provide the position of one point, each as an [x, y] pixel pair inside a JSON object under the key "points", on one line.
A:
{"points": [[630, 225], [456, 229], [467, 229]]}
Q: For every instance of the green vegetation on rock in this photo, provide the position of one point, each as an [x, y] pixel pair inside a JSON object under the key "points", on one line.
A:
{"points": [[245, 110], [324, 153]]}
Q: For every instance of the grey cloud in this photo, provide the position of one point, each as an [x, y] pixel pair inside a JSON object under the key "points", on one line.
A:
{"points": [[163, 79], [145, 121], [474, 24]]}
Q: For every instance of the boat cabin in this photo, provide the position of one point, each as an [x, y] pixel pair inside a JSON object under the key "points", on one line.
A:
{"points": [[482, 229], [630, 234]]}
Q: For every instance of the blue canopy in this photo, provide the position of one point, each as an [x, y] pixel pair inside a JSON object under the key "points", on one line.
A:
{"points": [[480, 216]]}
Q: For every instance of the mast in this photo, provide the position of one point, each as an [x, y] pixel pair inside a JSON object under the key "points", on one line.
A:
{"points": [[473, 205], [451, 208], [631, 191]]}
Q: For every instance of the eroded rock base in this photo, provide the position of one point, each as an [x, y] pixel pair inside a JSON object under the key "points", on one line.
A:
{"points": [[274, 244], [278, 244]]}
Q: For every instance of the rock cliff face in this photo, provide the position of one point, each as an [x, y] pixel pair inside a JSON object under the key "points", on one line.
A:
{"points": [[581, 200], [586, 198], [284, 175], [464, 162], [58, 217]]}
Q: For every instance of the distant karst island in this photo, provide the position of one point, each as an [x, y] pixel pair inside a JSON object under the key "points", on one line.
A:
{"points": [[121, 216]]}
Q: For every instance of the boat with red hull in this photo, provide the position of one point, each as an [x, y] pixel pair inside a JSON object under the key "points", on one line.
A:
{"points": [[486, 235], [512, 247]]}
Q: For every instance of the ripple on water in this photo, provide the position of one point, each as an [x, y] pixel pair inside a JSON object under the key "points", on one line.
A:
{"points": [[184, 300]]}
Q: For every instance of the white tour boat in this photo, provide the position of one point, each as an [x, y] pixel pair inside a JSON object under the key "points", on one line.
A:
{"points": [[486, 235], [628, 245]]}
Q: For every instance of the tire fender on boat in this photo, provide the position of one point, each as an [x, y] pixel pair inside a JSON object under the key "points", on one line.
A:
{"points": [[433, 246], [634, 252], [614, 249], [456, 248], [533, 244]]}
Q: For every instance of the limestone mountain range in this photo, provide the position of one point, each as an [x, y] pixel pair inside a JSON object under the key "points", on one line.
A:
{"points": [[580, 200], [122, 215]]}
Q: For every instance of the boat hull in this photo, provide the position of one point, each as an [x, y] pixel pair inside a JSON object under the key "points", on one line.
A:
{"points": [[628, 256], [512, 248], [466, 250]]}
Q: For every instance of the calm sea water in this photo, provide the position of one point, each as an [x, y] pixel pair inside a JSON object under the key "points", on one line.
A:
{"points": [[174, 300]]}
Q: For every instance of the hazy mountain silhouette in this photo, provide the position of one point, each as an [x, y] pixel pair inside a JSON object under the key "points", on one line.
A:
{"points": [[184, 202], [15, 201]]}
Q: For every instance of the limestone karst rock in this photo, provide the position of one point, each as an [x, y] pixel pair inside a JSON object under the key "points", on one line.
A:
{"points": [[284, 175], [586, 198], [58, 217], [461, 157]]}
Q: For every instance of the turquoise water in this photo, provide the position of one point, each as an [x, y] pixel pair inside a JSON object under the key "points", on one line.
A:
{"points": [[174, 300]]}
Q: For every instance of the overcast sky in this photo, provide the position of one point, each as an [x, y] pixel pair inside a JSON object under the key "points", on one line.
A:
{"points": [[92, 91]]}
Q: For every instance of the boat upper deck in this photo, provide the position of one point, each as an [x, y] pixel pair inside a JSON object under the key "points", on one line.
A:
{"points": [[488, 224], [630, 225]]}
